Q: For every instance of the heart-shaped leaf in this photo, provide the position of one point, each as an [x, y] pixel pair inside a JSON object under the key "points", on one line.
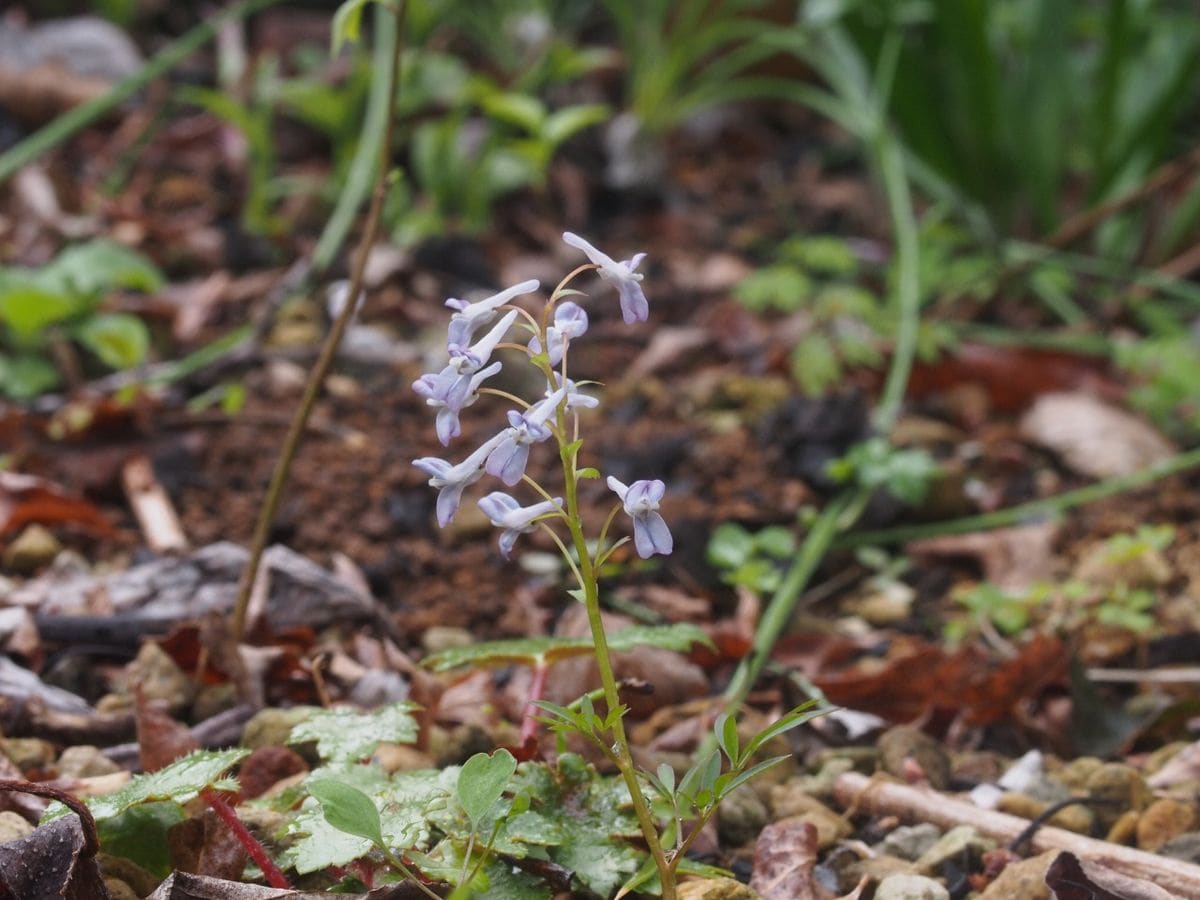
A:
{"points": [[481, 782]]}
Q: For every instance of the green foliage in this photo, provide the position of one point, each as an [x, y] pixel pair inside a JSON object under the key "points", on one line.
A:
{"points": [[61, 301], [545, 651], [751, 560], [347, 23], [1169, 370], [482, 780], [820, 276], [987, 603], [1008, 104], [1125, 548], [140, 834], [876, 464], [347, 735]]}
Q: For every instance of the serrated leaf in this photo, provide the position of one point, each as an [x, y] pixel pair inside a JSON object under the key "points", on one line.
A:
{"points": [[544, 651], [481, 782], [119, 340], [181, 781], [348, 809], [140, 834], [346, 735]]}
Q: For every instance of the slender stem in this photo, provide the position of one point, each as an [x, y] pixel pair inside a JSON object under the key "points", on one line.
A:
{"points": [[565, 552], [557, 295], [537, 689], [249, 842], [399, 864], [591, 601], [316, 377], [78, 118], [1031, 511], [496, 392]]}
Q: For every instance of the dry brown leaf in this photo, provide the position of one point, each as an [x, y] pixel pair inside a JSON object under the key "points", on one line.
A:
{"points": [[1013, 559], [1071, 878], [784, 857]]}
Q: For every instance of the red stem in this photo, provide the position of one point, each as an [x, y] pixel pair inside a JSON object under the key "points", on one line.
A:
{"points": [[256, 851], [529, 725]]}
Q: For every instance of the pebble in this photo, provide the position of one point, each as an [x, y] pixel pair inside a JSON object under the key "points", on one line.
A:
{"points": [[1077, 817], [1077, 772], [1124, 830], [909, 841], [13, 827], [1119, 788], [34, 548], [437, 638], [84, 761], [715, 889], [1163, 820], [910, 887], [1185, 847], [741, 817], [159, 678], [271, 727], [1022, 880], [789, 803], [899, 747], [119, 890], [401, 758], [28, 753], [959, 844]]}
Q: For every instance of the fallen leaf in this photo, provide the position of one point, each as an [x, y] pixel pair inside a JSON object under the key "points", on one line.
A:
{"points": [[182, 886], [1070, 878], [51, 863], [784, 857], [1013, 559], [25, 500]]}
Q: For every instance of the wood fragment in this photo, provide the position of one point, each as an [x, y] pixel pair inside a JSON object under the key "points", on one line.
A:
{"points": [[153, 508], [879, 797]]}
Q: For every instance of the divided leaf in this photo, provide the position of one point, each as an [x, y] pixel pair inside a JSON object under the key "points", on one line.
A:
{"points": [[347, 735]]}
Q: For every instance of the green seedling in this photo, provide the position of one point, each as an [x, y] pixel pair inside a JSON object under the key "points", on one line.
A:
{"points": [[874, 464], [751, 560], [46, 312]]}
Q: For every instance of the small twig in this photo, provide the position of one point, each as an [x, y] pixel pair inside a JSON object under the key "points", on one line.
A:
{"points": [[1049, 813], [321, 368], [91, 843]]}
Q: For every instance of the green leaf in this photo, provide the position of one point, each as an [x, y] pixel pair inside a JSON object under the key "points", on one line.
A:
{"points": [[588, 472], [814, 364], [821, 254], [140, 834], [565, 123], [120, 340], [347, 25], [794, 718], [25, 376], [517, 109], [730, 546], [727, 736], [181, 781], [348, 809], [776, 541], [731, 781], [481, 782], [28, 307], [99, 266], [346, 735]]}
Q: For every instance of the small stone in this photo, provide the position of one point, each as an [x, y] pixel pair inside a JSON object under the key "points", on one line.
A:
{"points": [[456, 746], [159, 678], [877, 868], [715, 889], [741, 817], [902, 746], [1022, 880], [84, 761], [1185, 847], [444, 637], [129, 872], [1118, 787], [911, 887], [28, 753], [13, 827], [271, 727], [212, 699], [34, 548], [820, 785], [1163, 820], [119, 890], [1077, 817], [1075, 774], [1124, 830], [401, 758], [909, 841], [788, 803], [961, 844]]}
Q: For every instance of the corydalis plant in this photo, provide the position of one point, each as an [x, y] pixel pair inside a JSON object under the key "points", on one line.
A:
{"points": [[505, 456]]}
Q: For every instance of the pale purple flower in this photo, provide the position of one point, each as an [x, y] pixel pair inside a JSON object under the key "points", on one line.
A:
{"points": [[469, 317], [505, 512], [570, 321], [575, 400], [438, 389], [451, 480], [634, 307], [641, 499], [507, 462]]}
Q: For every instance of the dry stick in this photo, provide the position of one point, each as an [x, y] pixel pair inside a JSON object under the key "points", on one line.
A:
{"points": [[877, 797], [320, 369], [1164, 176]]}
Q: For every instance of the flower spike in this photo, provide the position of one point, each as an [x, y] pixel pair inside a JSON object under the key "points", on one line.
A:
{"points": [[470, 317], [634, 307]]}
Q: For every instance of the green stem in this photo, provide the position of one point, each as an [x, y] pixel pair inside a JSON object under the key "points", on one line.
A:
{"points": [[1027, 512], [78, 118], [591, 602], [367, 158], [316, 377]]}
